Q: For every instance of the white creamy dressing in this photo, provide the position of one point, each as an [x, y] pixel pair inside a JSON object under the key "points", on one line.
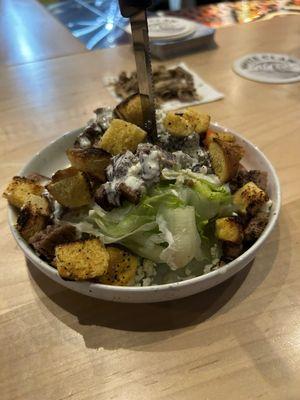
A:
{"points": [[143, 169], [132, 179], [111, 192], [203, 169], [84, 142], [133, 182], [184, 159], [266, 207], [135, 177], [151, 166], [135, 169]]}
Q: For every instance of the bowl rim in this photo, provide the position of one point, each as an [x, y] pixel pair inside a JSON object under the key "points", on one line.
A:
{"points": [[92, 286]]}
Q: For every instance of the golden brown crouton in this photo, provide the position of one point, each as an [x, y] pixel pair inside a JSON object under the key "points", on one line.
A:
{"points": [[225, 158], [199, 121], [130, 110], [228, 229], [19, 189], [249, 198], [81, 260], [224, 136], [183, 124], [176, 125], [121, 268], [91, 160], [70, 188], [121, 136], [40, 203], [30, 221]]}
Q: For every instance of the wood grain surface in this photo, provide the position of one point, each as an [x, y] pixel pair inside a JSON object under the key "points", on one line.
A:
{"points": [[30, 33], [238, 341]]}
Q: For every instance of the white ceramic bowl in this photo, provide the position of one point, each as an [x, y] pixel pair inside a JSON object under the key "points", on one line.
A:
{"points": [[53, 157]]}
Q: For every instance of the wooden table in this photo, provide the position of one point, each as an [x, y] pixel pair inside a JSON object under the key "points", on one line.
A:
{"points": [[240, 340]]}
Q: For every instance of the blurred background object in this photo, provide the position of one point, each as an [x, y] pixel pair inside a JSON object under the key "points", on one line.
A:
{"points": [[98, 23], [30, 33]]}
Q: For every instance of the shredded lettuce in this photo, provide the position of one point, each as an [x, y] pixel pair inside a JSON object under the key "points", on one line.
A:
{"points": [[172, 224], [179, 229], [145, 245]]}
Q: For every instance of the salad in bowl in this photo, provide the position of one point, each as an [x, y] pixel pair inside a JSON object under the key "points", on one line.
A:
{"points": [[130, 212]]}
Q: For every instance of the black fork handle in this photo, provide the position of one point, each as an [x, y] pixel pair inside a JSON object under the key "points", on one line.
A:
{"points": [[130, 8]]}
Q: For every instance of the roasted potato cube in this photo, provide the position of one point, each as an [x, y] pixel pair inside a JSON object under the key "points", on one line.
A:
{"points": [[91, 160], [19, 189], [228, 229], [176, 125], [81, 260], [30, 221], [224, 136], [225, 158], [200, 122], [121, 267], [256, 226], [249, 198], [70, 188], [121, 136], [130, 110]]}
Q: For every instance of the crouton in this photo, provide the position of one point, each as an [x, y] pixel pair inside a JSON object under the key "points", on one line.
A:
{"points": [[256, 226], [30, 221], [232, 250], [249, 198], [176, 125], [130, 110], [121, 136], [121, 268], [225, 158], [19, 189], [200, 122], [81, 260], [229, 229], [224, 136], [40, 203], [91, 160], [70, 187], [183, 124]]}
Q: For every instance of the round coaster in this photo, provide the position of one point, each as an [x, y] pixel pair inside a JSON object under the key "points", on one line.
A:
{"points": [[268, 67], [168, 28]]}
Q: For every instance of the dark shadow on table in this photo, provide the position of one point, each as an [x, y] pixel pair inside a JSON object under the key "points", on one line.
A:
{"points": [[114, 325]]}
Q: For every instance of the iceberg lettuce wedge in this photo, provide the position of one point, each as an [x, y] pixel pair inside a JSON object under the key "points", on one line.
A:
{"points": [[172, 224]]}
